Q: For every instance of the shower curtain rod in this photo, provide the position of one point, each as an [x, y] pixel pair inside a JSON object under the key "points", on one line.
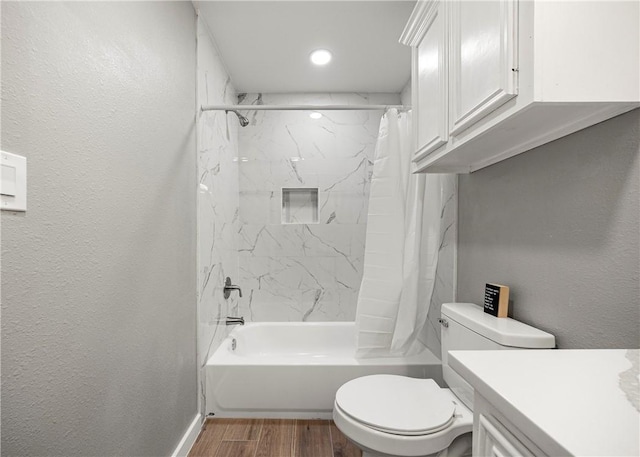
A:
{"points": [[299, 107]]}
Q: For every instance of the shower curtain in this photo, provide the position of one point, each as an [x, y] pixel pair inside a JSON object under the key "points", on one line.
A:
{"points": [[401, 250]]}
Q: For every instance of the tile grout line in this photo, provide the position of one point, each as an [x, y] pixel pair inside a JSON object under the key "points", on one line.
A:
{"points": [[294, 438], [333, 453], [255, 451], [224, 430]]}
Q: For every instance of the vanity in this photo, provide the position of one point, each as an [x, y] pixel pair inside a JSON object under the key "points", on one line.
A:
{"points": [[553, 402]]}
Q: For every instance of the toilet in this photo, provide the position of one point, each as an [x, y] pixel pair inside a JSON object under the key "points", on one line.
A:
{"points": [[398, 416]]}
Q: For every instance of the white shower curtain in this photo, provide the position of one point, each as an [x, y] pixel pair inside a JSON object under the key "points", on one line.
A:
{"points": [[401, 250]]}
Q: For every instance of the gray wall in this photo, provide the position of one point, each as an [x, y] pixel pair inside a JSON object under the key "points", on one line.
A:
{"points": [[98, 277], [560, 226]]}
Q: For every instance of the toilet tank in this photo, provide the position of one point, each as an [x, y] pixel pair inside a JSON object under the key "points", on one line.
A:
{"points": [[465, 326]]}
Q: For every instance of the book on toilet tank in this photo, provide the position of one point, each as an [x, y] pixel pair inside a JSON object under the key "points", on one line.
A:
{"points": [[496, 300]]}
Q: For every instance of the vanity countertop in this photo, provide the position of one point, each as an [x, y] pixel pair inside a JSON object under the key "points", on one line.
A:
{"points": [[569, 402]]}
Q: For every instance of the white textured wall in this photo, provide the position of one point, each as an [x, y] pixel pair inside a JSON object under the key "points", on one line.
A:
{"points": [[305, 272], [560, 225], [218, 222], [98, 277]]}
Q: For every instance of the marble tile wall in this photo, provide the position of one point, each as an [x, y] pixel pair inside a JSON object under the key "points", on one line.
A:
{"points": [[305, 272], [444, 289], [218, 223]]}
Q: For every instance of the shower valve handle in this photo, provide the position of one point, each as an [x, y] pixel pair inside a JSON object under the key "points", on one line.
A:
{"points": [[228, 287]]}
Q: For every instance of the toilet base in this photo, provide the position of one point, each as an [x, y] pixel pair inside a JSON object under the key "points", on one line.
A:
{"points": [[461, 447]]}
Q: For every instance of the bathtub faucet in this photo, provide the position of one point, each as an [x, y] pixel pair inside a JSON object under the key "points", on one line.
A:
{"points": [[234, 320], [228, 287]]}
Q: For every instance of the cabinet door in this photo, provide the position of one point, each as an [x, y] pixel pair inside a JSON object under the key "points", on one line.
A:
{"points": [[494, 441], [483, 59], [430, 85]]}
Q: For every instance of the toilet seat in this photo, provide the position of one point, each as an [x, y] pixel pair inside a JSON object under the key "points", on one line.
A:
{"points": [[379, 443], [397, 404]]}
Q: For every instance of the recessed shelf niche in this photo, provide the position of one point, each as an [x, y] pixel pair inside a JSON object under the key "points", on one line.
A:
{"points": [[299, 205]]}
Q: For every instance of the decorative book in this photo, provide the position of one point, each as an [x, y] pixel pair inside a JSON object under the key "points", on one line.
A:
{"points": [[496, 300]]}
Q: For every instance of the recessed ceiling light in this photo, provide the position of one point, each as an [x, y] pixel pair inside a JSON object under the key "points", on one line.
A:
{"points": [[321, 57], [315, 115]]}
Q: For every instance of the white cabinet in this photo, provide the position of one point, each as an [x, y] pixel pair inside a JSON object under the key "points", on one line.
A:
{"points": [[552, 402], [491, 441], [495, 436], [495, 78], [429, 48], [483, 59]]}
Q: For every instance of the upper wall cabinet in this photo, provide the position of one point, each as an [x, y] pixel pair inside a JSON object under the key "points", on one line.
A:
{"points": [[482, 59], [429, 77], [492, 79]]}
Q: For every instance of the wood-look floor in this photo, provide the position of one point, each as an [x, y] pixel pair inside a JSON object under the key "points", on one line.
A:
{"points": [[272, 438]]}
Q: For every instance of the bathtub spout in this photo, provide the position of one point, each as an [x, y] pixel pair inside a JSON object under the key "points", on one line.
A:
{"points": [[234, 320]]}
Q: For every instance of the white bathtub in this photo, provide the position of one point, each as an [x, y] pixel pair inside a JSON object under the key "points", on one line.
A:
{"points": [[292, 370]]}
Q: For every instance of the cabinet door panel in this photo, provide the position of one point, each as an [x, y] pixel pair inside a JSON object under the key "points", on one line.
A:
{"points": [[492, 440], [430, 72], [483, 59]]}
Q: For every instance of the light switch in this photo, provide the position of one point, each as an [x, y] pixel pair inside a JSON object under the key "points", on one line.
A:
{"points": [[13, 185], [8, 181]]}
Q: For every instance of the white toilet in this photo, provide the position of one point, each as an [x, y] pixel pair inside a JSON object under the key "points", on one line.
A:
{"points": [[397, 416]]}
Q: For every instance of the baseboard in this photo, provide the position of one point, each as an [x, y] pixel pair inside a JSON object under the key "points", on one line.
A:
{"points": [[185, 444]]}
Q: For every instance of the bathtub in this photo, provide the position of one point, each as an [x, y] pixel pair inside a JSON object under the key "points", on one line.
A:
{"points": [[293, 369]]}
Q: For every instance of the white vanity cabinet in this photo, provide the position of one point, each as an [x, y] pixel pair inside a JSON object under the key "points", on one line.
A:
{"points": [[495, 436], [492, 79], [553, 402]]}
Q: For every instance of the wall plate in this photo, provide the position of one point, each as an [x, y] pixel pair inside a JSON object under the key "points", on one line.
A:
{"points": [[13, 182]]}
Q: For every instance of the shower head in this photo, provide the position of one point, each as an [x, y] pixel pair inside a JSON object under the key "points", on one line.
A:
{"points": [[243, 120]]}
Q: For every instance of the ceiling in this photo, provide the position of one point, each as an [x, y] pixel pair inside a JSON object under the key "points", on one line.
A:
{"points": [[265, 45]]}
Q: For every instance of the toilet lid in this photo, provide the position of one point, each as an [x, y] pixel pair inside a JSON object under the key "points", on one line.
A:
{"points": [[396, 404]]}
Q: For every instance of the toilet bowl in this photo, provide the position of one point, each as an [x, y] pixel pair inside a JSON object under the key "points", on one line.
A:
{"points": [[398, 416]]}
